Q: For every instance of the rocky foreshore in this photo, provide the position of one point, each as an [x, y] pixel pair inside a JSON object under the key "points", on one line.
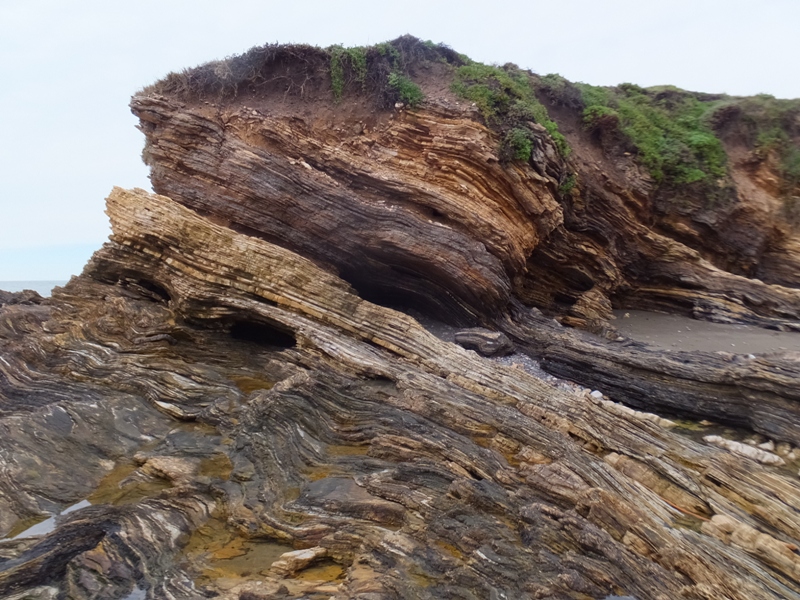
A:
{"points": [[233, 400]]}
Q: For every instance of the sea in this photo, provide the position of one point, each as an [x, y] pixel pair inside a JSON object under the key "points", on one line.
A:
{"points": [[43, 287]]}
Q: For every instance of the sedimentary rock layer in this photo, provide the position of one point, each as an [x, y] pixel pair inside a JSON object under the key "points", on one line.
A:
{"points": [[418, 206], [411, 468], [228, 402]]}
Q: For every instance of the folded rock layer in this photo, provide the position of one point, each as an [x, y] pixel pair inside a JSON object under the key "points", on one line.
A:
{"points": [[234, 401], [281, 410], [420, 206]]}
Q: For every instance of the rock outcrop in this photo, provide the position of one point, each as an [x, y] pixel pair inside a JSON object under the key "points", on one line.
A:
{"points": [[419, 206], [278, 408], [231, 402]]}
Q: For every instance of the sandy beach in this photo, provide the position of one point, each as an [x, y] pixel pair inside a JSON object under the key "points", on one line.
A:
{"points": [[674, 332]]}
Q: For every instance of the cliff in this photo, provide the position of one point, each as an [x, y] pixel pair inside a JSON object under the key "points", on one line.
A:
{"points": [[466, 201], [236, 388]]}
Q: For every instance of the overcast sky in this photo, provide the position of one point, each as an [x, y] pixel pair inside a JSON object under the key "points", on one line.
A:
{"points": [[68, 70]]}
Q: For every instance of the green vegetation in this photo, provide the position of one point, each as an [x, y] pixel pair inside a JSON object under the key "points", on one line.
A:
{"points": [[569, 184], [790, 166], [506, 98], [357, 60], [776, 126], [388, 51], [517, 144], [670, 129], [408, 91], [386, 67], [337, 74], [676, 133], [384, 72]]}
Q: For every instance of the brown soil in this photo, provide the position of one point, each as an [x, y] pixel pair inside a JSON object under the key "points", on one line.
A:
{"points": [[309, 95]]}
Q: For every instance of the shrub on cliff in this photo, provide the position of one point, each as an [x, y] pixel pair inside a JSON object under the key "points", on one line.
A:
{"points": [[407, 91], [669, 128], [356, 59], [517, 145], [773, 125], [384, 72], [506, 99]]}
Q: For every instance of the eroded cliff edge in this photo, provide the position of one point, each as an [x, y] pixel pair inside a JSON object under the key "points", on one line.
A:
{"points": [[475, 196], [219, 389], [467, 201]]}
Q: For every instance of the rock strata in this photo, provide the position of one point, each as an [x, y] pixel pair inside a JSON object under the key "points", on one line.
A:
{"points": [[319, 420], [417, 206], [233, 401], [485, 342]]}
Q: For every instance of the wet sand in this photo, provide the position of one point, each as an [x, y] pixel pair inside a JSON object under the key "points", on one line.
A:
{"points": [[674, 332]]}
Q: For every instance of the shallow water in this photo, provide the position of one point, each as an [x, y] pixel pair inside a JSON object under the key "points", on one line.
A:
{"points": [[217, 550], [137, 594], [122, 486], [43, 527], [127, 484], [673, 332]]}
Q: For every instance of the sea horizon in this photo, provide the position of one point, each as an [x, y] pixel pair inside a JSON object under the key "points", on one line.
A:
{"points": [[43, 286]]}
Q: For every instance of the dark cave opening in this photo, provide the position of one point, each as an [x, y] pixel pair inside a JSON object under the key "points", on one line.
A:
{"points": [[408, 292], [262, 334]]}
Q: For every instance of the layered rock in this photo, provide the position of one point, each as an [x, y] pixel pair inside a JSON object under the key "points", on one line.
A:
{"points": [[228, 402], [410, 467], [415, 208], [419, 206]]}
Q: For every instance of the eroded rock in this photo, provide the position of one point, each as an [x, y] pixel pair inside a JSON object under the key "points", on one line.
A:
{"points": [[485, 342], [292, 439], [379, 443]]}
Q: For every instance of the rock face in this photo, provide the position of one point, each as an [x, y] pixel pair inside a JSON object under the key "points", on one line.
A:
{"points": [[268, 397], [24, 297], [224, 408], [448, 231], [417, 206]]}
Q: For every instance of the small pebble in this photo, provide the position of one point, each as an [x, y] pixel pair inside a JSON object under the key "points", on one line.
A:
{"points": [[755, 439], [596, 394], [783, 449], [769, 446]]}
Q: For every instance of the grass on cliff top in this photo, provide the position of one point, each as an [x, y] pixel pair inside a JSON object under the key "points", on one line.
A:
{"points": [[774, 124], [675, 132], [670, 129], [507, 100]]}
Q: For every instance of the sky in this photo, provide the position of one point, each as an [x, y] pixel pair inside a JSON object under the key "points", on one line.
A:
{"points": [[68, 69]]}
